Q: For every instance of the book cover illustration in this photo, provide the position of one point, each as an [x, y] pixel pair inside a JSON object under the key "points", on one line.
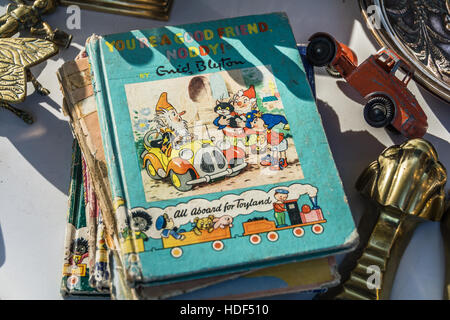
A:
{"points": [[233, 137], [215, 149]]}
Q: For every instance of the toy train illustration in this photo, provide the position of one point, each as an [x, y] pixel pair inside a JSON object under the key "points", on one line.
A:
{"points": [[255, 229]]}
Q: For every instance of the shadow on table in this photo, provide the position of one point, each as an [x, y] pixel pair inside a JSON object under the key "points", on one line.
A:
{"points": [[440, 108], [46, 144], [359, 148]]}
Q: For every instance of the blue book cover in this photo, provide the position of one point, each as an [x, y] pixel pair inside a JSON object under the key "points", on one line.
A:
{"points": [[217, 158]]}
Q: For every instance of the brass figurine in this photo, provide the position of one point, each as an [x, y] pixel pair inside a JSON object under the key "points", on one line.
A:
{"points": [[21, 15], [406, 186], [17, 55]]}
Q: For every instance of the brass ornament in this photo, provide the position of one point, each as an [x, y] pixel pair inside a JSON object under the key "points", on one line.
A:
{"points": [[406, 187], [18, 55], [27, 15]]}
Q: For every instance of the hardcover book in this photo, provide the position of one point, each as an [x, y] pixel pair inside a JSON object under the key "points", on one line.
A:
{"points": [[81, 107], [216, 155]]}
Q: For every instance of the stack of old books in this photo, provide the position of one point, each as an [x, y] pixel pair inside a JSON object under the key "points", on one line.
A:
{"points": [[200, 166], [153, 9]]}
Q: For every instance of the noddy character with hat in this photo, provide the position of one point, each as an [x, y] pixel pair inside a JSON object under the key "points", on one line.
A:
{"points": [[245, 101], [166, 224]]}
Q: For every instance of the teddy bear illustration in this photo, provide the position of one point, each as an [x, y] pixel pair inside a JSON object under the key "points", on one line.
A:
{"points": [[203, 224], [223, 222]]}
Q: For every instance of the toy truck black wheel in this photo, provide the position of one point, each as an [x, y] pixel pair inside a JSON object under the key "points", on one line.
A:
{"points": [[321, 51], [180, 181], [379, 111], [151, 170]]}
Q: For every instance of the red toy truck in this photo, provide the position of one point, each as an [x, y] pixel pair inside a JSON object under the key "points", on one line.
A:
{"points": [[381, 79]]}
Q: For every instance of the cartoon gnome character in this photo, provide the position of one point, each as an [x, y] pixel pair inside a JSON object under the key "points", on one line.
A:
{"points": [[171, 125]]}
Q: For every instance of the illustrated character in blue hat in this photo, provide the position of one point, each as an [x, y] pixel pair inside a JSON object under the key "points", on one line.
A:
{"points": [[166, 224], [279, 207], [263, 139]]}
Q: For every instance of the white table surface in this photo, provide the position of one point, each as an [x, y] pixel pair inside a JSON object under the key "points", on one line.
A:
{"points": [[35, 160]]}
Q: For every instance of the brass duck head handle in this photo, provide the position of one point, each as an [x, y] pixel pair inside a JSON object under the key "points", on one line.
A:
{"points": [[408, 178], [406, 185]]}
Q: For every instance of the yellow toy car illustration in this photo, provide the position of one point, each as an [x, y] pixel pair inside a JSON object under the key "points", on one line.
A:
{"points": [[189, 163]]}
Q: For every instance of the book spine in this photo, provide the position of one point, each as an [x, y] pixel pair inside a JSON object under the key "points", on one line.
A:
{"points": [[109, 136], [75, 94], [90, 202], [101, 267], [70, 232], [76, 272], [74, 268]]}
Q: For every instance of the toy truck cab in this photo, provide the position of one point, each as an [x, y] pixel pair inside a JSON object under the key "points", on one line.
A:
{"points": [[381, 79]]}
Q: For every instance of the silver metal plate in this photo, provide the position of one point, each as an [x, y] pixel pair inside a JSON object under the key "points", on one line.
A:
{"points": [[419, 31]]}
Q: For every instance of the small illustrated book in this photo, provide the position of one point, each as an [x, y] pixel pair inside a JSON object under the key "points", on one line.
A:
{"points": [[79, 105], [216, 155], [85, 268]]}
